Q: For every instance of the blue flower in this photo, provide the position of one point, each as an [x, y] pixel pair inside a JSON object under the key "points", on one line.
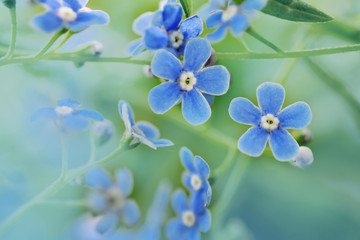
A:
{"points": [[235, 17], [187, 82], [141, 131], [196, 177], [192, 217], [212, 5], [70, 14], [67, 115], [270, 122], [110, 198]]}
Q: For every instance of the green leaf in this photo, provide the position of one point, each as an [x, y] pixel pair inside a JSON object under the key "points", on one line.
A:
{"points": [[10, 3], [186, 6], [295, 10]]}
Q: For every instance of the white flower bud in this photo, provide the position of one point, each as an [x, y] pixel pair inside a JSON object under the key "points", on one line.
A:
{"points": [[304, 159]]}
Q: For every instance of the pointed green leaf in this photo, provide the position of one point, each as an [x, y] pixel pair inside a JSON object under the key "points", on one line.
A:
{"points": [[186, 6], [295, 10]]}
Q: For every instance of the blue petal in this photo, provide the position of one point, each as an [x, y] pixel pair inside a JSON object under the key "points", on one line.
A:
{"points": [[50, 4], [107, 222], [86, 19], [99, 202], [208, 192], [175, 229], [68, 102], [97, 178], [197, 52], [186, 180], [143, 22], [283, 145], [47, 113], [198, 202], [239, 24], [214, 19], [144, 140], [74, 4], [48, 22], [204, 221], [125, 181], [151, 132], [192, 234], [270, 97], [179, 202], [90, 114], [250, 5], [73, 122], [131, 212], [213, 80], [155, 38], [163, 143], [159, 205], [297, 115], [166, 65], [205, 10], [187, 159], [164, 97], [126, 114], [157, 19], [195, 108], [243, 111], [136, 47], [171, 16], [202, 168], [218, 35], [253, 141], [191, 27]]}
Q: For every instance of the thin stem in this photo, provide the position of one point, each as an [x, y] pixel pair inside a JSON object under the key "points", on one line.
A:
{"points": [[226, 163], [67, 37], [49, 44], [64, 156], [260, 38], [54, 187], [11, 50]]}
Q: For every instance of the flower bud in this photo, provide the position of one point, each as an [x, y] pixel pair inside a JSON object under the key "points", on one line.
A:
{"points": [[212, 59], [304, 159], [97, 48], [148, 72], [103, 131]]}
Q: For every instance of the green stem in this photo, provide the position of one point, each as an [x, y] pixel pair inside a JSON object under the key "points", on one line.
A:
{"points": [[67, 37], [54, 187], [64, 158], [226, 163], [49, 44], [11, 50], [260, 38]]}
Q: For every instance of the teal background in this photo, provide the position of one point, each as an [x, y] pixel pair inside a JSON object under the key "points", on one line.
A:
{"points": [[274, 200]]}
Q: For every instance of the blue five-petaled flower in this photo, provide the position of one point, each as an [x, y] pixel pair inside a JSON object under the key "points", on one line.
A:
{"points": [[235, 17], [110, 198], [67, 115], [141, 131], [187, 81], [69, 14], [269, 122]]}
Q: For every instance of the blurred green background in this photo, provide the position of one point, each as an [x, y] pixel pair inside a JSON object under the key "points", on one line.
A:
{"points": [[274, 200]]}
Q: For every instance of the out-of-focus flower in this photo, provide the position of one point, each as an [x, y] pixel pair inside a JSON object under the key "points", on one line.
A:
{"points": [[212, 5], [68, 115], [235, 17], [304, 159], [111, 198], [196, 177], [269, 122], [187, 81], [141, 131], [69, 14], [103, 131]]}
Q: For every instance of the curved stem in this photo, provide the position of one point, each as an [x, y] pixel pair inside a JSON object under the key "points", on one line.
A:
{"points": [[67, 37], [11, 50], [231, 156], [49, 44], [260, 38]]}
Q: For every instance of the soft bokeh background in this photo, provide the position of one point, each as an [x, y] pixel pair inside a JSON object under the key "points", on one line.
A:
{"points": [[274, 200]]}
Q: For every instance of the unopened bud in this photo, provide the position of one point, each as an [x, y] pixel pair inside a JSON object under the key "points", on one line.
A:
{"points": [[147, 71], [97, 48], [304, 159]]}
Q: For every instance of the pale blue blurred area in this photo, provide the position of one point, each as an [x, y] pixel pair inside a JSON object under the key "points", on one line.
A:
{"points": [[274, 201]]}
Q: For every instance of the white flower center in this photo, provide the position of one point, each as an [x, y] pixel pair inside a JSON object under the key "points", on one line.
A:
{"points": [[63, 111], [195, 182], [187, 81], [176, 39], [229, 13], [269, 122], [115, 198], [188, 218], [67, 14]]}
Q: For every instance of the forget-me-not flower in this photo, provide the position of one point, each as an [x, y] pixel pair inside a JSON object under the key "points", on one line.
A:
{"points": [[69, 14], [141, 131], [196, 177], [192, 217], [187, 81], [234, 17], [212, 5], [269, 122], [111, 198], [68, 115]]}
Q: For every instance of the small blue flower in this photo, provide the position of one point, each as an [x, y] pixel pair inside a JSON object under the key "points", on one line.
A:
{"points": [[192, 217], [270, 122], [196, 177], [141, 131], [110, 198], [67, 115], [235, 17], [187, 82], [70, 14], [212, 5]]}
